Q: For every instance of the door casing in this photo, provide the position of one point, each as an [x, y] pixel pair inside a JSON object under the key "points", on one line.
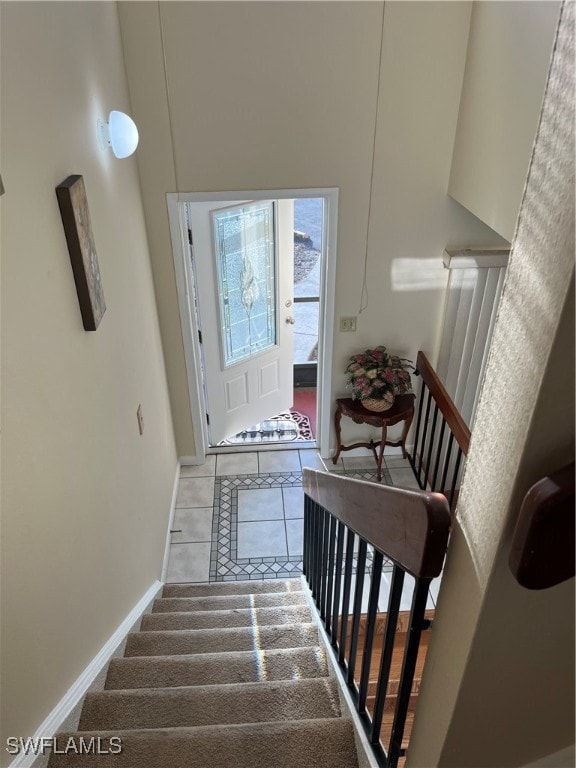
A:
{"points": [[185, 289]]}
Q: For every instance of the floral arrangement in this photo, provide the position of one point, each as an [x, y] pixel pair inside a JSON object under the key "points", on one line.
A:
{"points": [[377, 374]]}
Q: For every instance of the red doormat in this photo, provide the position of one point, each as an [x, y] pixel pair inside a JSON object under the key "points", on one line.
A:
{"points": [[305, 402]]}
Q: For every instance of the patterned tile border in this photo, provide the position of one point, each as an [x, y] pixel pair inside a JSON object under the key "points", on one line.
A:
{"points": [[224, 562], [365, 474]]}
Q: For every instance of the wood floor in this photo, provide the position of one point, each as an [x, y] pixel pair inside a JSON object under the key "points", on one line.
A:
{"points": [[395, 672]]}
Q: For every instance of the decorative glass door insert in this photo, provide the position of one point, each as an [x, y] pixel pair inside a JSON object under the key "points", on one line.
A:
{"points": [[243, 257], [244, 239]]}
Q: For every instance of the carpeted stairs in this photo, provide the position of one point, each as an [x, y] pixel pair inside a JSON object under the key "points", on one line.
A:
{"points": [[219, 676]]}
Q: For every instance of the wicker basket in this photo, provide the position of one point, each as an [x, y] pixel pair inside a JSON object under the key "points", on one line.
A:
{"points": [[376, 404]]}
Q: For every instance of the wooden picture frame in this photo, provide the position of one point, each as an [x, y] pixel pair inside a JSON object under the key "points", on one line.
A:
{"points": [[73, 203]]}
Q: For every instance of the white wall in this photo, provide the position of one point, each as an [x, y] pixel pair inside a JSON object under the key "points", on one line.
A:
{"points": [[506, 68], [85, 499], [498, 688], [283, 95]]}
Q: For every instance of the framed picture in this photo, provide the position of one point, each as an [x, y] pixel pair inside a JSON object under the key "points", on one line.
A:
{"points": [[73, 204]]}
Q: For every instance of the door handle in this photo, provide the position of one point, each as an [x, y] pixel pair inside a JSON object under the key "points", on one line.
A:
{"points": [[290, 320]]}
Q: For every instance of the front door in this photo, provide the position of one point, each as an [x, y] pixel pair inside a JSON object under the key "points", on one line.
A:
{"points": [[243, 256]]}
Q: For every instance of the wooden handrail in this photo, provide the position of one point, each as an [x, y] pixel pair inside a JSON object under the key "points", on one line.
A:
{"points": [[542, 553], [454, 420], [409, 527]]}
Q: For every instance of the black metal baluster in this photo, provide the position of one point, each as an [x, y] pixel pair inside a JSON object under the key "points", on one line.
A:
{"points": [[438, 453], [317, 551], [387, 650], [311, 533], [359, 588], [455, 475], [417, 624], [446, 466], [330, 584], [324, 566], [370, 630], [311, 545], [423, 446], [305, 541], [418, 421], [431, 446], [306, 548], [346, 596], [338, 580]]}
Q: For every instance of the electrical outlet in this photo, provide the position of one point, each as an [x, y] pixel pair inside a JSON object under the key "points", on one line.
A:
{"points": [[348, 324], [140, 417]]}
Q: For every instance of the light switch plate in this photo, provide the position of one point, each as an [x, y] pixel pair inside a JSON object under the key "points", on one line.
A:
{"points": [[348, 324]]}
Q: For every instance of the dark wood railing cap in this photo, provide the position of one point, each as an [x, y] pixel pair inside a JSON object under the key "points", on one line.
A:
{"points": [[410, 527], [542, 552], [455, 422]]}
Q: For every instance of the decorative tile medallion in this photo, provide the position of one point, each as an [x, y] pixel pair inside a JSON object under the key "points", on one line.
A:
{"points": [[225, 565]]}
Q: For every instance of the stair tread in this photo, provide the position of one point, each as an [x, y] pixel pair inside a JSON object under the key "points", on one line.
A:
{"points": [[235, 617], [158, 643], [223, 602], [221, 674], [216, 668], [326, 743], [211, 704], [232, 588]]}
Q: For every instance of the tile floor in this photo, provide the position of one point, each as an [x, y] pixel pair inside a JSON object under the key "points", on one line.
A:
{"points": [[239, 516]]}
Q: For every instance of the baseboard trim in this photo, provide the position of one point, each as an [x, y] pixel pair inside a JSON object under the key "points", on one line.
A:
{"points": [[81, 685], [191, 461], [389, 452], [170, 523]]}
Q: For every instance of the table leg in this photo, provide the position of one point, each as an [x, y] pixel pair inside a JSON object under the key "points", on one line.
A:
{"points": [[381, 452], [337, 419], [407, 423]]}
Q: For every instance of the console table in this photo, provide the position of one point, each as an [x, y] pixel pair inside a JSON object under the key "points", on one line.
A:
{"points": [[402, 410]]}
